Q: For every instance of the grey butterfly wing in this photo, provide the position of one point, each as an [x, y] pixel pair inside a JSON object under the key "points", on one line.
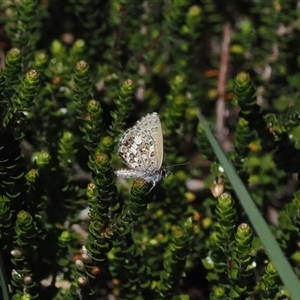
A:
{"points": [[137, 149], [151, 123]]}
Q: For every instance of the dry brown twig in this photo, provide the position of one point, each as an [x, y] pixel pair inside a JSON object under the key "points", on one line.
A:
{"points": [[220, 104]]}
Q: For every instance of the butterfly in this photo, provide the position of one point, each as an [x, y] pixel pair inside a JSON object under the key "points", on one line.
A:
{"points": [[141, 147]]}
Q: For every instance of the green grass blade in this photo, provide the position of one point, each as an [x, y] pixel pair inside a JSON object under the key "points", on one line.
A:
{"points": [[283, 267]]}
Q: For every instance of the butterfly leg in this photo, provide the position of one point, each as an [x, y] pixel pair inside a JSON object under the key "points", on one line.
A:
{"points": [[153, 185]]}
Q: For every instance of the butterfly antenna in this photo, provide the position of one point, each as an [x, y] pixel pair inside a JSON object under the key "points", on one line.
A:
{"points": [[176, 165]]}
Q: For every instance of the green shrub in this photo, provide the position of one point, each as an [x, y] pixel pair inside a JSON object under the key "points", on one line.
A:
{"points": [[75, 75]]}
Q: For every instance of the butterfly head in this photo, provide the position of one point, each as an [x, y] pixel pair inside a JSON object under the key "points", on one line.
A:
{"points": [[165, 173]]}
